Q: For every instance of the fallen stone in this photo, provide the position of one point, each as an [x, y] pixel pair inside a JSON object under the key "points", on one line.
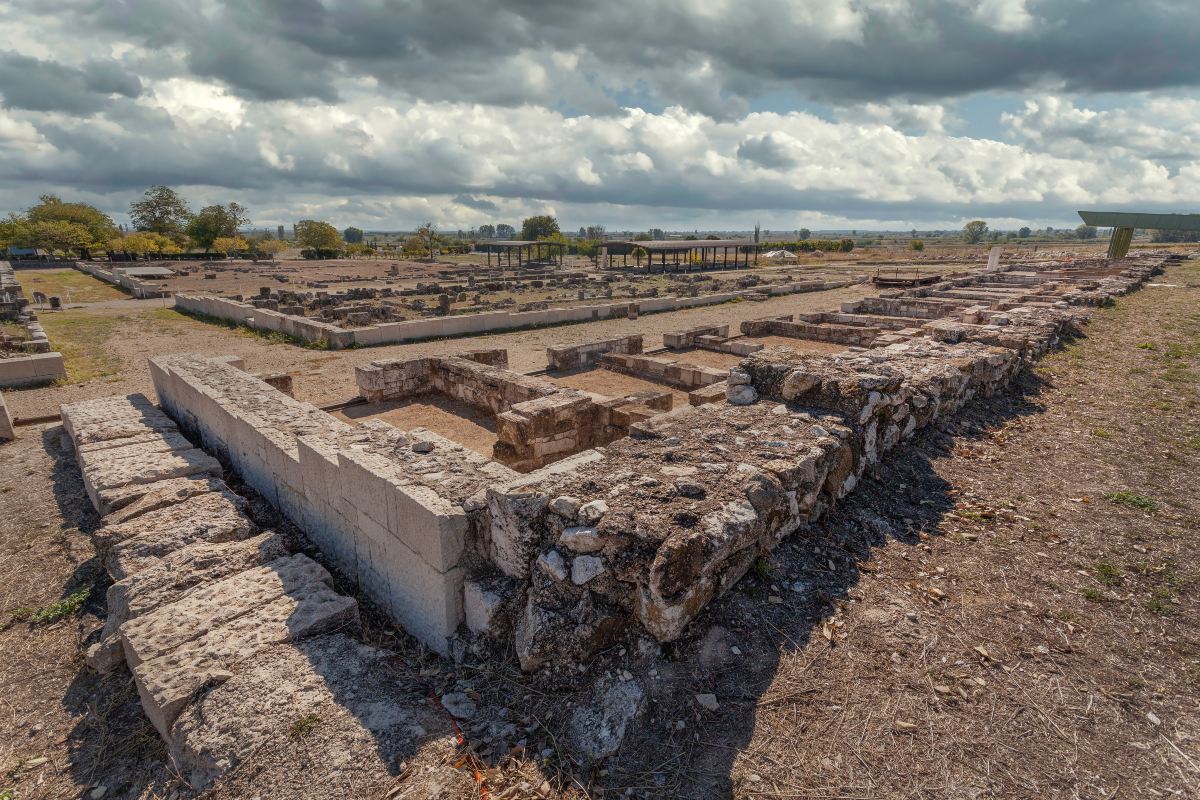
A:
{"points": [[148, 468], [459, 705], [707, 702], [552, 562], [596, 731]]}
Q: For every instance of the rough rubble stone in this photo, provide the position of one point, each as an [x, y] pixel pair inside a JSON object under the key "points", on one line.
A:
{"points": [[596, 731]]}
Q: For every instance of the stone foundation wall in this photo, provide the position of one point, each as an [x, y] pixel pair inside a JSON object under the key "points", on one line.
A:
{"points": [[384, 506], [664, 370], [836, 334], [585, 355]]}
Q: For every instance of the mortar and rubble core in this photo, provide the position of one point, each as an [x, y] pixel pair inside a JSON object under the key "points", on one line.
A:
{"points": [[597, 517]]}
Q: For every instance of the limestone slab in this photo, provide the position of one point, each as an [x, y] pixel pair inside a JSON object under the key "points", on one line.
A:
{"points": [[168, 683]]}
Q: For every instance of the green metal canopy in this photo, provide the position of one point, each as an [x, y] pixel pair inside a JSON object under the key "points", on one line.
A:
{"points": [[1158, 222], [1123, 223]]}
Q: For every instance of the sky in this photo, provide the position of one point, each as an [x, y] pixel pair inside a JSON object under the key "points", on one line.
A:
{"points": [[675, 114]]}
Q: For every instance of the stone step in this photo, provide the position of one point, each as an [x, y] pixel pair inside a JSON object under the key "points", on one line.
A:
{"points": [[371, 714], [168, 683], [195, 510], [170, 626], [143, 550], [149, 467], [133, 501], [170, 579]]}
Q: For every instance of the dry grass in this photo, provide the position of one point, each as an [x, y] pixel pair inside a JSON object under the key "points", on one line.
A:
{"points": [[71, 285]]}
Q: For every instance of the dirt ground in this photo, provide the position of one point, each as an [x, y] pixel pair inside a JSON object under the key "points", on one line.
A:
{"points": [[106, 346], [615, 384], [454, 419], [1006, 607]]}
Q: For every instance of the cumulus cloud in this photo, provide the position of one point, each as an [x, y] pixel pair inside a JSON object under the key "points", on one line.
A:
{"points": [[469, 110]]}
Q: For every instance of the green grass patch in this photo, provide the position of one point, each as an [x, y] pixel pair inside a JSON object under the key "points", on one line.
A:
{"points": [[1102, 433], [1093, 595], [1108, 574], [82, 339], [1131, 500], [303, 726], [55, 611], [71, 285]]}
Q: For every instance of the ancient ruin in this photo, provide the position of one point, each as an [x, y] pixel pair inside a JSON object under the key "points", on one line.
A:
{"points": [[592, 515]]}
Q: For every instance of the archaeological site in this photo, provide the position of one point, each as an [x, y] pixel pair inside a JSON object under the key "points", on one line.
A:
{"points": [[562, 519]]}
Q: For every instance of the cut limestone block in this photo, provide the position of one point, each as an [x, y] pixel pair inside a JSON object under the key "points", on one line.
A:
{"points": [[138, 552], [199, 509], [147, 467], [133, 501], [109, 418], [168, 683], [371, 715], [152, 442], [170, 626], [170, 579]]}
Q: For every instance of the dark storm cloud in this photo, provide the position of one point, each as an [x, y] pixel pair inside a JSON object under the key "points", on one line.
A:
{"points": [[477, 203], [501, 52], [38, 85], [766, 151]]}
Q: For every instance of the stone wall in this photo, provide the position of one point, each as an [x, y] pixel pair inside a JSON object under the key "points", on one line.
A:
{"points": [[643, 531], [837, 334], [384, 506], [570, 357], [660, 369]]}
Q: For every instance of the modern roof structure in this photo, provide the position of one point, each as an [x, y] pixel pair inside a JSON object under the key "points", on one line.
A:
{"points": [[1124, 222], [1127, 219], [684, 252], [527, 251]]}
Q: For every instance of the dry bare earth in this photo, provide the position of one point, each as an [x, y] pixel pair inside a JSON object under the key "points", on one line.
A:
{"points": [[979, 620]]}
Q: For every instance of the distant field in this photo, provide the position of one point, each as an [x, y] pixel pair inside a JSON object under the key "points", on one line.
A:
{"points": [[71, 285]]}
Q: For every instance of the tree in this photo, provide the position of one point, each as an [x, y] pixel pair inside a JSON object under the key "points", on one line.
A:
{"points": [[803, 234], [428, 237], [487, 231], [917, 244], [1024, 233], [214, 222], [657, 234], [270, 247], [230, 244], [595, 232], [534, 228], [505, 231], [317, 235], [161, 210], [974, 231], [99, 226], [1085, 231], [353, 235], [846, 245]]}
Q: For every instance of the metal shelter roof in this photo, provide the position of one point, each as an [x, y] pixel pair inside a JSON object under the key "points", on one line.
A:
{"points": [[1126, 219]]}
